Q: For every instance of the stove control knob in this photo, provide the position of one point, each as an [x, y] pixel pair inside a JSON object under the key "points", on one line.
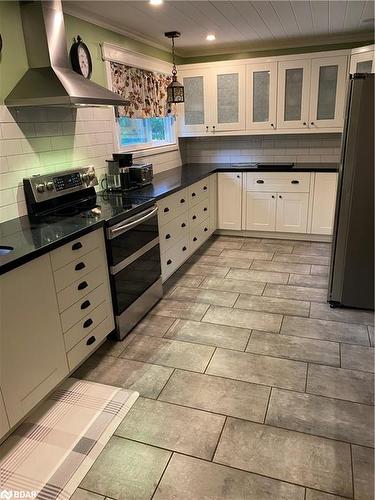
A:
{"points": [[40, 188], [85, 177], [50, 186], [91, 175]]}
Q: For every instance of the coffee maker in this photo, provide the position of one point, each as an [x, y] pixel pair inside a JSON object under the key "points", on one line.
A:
{"points": [[140, 174]]}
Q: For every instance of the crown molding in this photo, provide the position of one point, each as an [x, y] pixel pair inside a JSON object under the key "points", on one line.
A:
{"points": [[116, 53]]}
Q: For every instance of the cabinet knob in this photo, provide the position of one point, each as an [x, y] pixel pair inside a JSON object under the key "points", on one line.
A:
{"points": [[194, 217], [213, 128], [184, 249], [194, 239], [260, 181], [206, 128], [169, 262], [205, 229], [183, 224], [272, 125], [294, 182], [193, 194], [77, 246], [82, 285], [205, 209], [238, 177], [312, 123], [273, 196], [304, 123], [91, 340], [166, 210], [167, 236], [204, 188], [182, 200], [79, 266], [85, 304], [280, 196]]}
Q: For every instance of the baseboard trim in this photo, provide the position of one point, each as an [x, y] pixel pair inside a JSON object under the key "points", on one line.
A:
{"points": [[325, 238]]}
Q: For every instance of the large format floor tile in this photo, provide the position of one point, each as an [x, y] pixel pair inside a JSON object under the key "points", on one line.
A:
{"points": [[371, 334], [260, 276], [187, 478], [322, 416], [281, 267], [247, 254], [321, 249], [296, 292], [301, 259], [319, 270], [178, 309], [273, 304], [125, 470], [216, 297], [363, 470], [286, 455], [325, 330], [224, 242], [173, 427], [81, 494], [301, 349], [168, 352], [154, 326], [204, 270], [178, 279], [229, 337], [265, 370], [221, 260], [228, 285], [243, 319], [216, 394], [324, 311], [338, 383], [145, 378], [308, 280], [356, 357], [268, 246], [319, 495]]}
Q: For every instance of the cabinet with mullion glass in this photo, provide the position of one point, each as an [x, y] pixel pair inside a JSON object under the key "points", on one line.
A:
{"points": [[261, 86]]}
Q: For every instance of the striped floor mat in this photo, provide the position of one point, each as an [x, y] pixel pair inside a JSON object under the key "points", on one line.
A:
{"points": [[48, 455]]}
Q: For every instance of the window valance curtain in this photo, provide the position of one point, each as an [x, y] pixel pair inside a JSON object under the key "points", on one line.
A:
{"points": [[146, 91]]}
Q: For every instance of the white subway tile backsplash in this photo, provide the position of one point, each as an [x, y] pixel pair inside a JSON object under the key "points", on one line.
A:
{"points": [[48, 129], [22, 162]]}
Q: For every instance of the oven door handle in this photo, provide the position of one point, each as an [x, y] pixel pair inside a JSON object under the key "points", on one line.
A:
{"points": [[113, 232]]}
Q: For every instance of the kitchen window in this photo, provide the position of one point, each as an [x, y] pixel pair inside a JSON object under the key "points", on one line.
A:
{"points": [[143, 133]]}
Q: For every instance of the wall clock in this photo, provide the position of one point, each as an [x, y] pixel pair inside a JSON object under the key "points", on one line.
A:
{"points": [[80, 58]]}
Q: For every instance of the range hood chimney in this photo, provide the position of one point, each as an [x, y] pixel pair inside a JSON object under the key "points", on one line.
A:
{"points": [[50, 81]]}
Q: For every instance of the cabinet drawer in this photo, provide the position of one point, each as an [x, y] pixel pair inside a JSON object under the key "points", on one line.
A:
{"points": [[80, 288], [172, 232], [199, 212], [174, 257], [71, 251], [284, 182], [172, 206], [199, 234], [89, 343], [86, 325], [78, 268], [81, 308], [198, 191]]}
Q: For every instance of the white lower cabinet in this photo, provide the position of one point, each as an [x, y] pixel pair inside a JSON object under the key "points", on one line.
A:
{"points": [[4, 424], [324, 200], [32, 356], [291, 212], [260, 212], [229, 195]]}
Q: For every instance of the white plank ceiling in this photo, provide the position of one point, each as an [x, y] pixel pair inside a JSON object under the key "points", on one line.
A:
{"points": [[238, 25]]}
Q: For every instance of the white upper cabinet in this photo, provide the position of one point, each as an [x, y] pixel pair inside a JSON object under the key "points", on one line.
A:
{"points": [[293, 94], [363, 60], [261, 87], [195, 115], [228, 96], [327, 92]]}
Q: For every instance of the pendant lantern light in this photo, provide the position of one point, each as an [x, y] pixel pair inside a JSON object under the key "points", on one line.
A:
{"points": [[175, 91]]}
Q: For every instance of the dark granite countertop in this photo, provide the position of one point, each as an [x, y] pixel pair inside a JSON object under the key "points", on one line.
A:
{"points": [[32, 239], [172, 180]]}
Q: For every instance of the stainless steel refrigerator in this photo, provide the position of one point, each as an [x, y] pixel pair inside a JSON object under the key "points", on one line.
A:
{"points": [[351, 280]]}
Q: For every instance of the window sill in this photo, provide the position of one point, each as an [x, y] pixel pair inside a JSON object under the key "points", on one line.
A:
{"points": [[150, 151]]}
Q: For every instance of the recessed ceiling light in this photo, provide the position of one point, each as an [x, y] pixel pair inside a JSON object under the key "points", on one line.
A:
{"points": [[210, 37], [155, 2]]}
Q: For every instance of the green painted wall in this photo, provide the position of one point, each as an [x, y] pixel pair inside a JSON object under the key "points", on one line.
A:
{"points": [[13, 60]]}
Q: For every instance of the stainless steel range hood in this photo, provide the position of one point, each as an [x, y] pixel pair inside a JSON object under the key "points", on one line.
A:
{"points": [[50, 81]]}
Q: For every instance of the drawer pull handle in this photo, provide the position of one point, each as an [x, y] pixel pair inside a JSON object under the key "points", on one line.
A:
{"points": [[88, 323], [79, 266], [166, 210], [205, 209], [169, 262], [204, 188], [183, 224], [182, 200], [77, 246], [167, 236], [205, 229], [193, 194], [194, 239], [91, 340], [184, 249], [260, 181], [82, 285], [194, 217], [294, 182], [280, 196], [273, 196], [85, 304]]}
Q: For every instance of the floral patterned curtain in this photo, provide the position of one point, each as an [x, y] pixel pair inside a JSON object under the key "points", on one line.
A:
{"points": [[146, 91]]}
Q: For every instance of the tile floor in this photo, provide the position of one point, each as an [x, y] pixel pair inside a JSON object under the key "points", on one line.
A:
{"points": [[252, 387]]}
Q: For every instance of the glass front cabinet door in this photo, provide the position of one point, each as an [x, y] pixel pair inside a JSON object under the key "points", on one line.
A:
{"points": [[329, 80], [261, 87], [228, 96], [293, 94], [363, 60], [194, 115]]}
